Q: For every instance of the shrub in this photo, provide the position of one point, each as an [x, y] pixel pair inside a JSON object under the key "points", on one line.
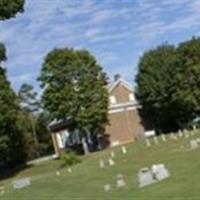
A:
{"points": [[69, 158]]}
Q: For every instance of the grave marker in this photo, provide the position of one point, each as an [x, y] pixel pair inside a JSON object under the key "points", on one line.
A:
{"points": [[180, 134], [124, 150], [69, 170], [2, 191], [163, 138], [111, 162], [101, 164], [21, 183], [159, 172], [193, 144], [107, 187], [112, 154], [120, 181], [145, 177], [148, 143], [58, 173], [155, 139]]}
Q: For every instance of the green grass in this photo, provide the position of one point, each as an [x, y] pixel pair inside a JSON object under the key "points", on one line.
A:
{"points": [[87, 179]]}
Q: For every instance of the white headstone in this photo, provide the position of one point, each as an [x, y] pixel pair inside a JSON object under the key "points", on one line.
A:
{"points": [[186, 134], [160, 172], [145, 177], [155, 139], [180, 134], [2, 191], [148, 143], [101, 163], [193, 144], [107, 187], [21, 183], [163, 138], [112, 154], [111, 162], [124, 150], [69, 170], [192, 133], [120, 181], [198, 140], [194, 128], [58, 173]]}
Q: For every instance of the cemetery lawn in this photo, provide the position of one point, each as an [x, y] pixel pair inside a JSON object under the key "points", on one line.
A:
{"points": [[87, 180]]}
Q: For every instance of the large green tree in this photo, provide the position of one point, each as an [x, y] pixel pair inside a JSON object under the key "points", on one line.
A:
{"points": [[156, 85], [168, 85], [9, 8], [75, 87], [12, 144]]}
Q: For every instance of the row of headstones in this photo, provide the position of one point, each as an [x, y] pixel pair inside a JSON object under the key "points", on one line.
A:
{"points": [[173, 136], [146, 176], [110, 161]]}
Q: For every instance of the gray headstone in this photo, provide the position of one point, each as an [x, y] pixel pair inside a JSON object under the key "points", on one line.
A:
{"points": [[163, 138], [120, 181], [193, 144], [21, 183], [2, 191], [145, 177], [69, 170], [159, 172], [112, 154], [148, 143], [58, 173], [155, 139], [101, 164], [111, 162], [124, 150], [107, 187], [198, 140], [180, 134]]}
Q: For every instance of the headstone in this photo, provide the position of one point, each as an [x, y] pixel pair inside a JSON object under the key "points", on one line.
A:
{"points": [[124, 150], [198, 140], [148, 143], [180, 134], [145, 177], [21, 183], [112, 154], [186, 134], [111, 162], [2, 191], [194, 128], [159, 172], [163, 138], [155, 139], [101, 164], [58, 173], [193, 144], [107, 187], [192, 133], [120, 181], [69, 170]]}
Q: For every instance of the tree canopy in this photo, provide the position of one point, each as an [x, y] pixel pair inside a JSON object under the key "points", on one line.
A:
{"points": [[75, 87], [12, 144], [168, 85], [9, 8]]}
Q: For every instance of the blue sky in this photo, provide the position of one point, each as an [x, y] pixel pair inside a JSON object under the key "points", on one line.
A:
{"points": [[117, 32]]}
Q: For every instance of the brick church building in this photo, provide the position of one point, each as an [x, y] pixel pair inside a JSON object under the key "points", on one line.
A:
{"points": [[125, 124]]}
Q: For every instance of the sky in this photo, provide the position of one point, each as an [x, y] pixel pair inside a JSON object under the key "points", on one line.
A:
{"points": [[116, 32]]}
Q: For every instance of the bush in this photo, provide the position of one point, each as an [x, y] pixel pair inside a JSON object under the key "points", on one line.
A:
{"points": [[70, 158]]}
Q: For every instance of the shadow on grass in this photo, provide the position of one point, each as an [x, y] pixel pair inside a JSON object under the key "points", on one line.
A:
{"points": [[9, 173]]}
